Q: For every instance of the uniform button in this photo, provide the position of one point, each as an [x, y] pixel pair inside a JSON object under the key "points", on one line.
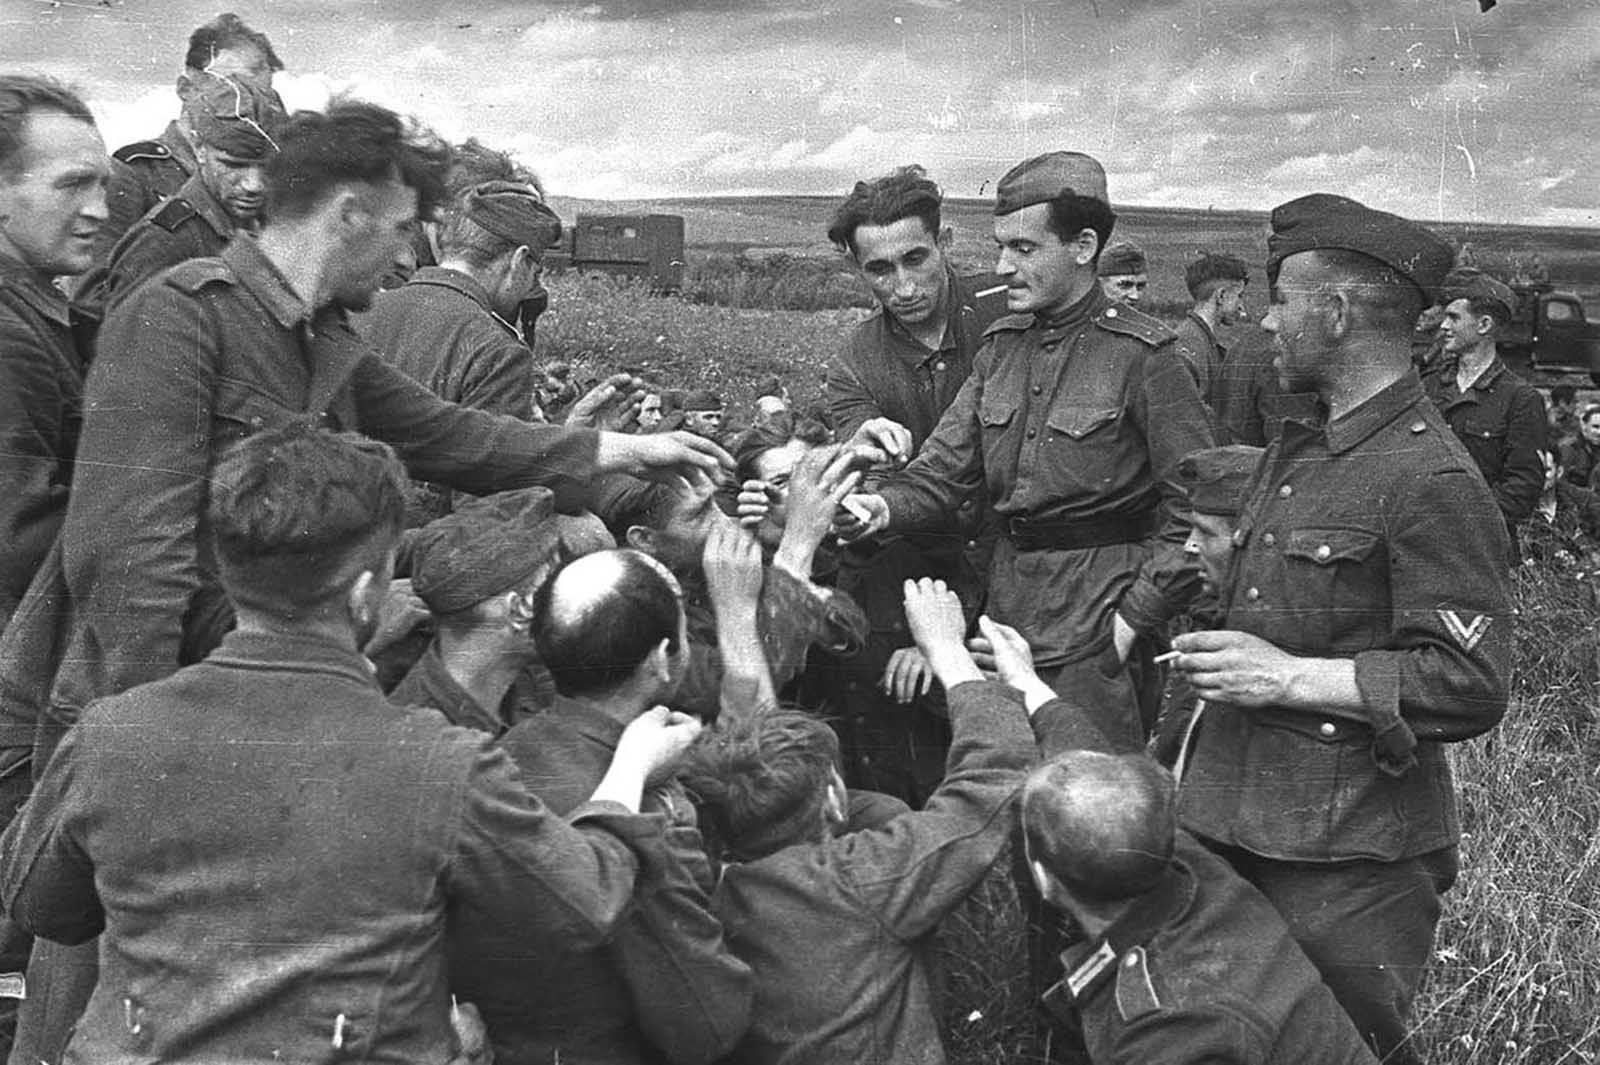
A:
{"points": [[1419, 426], [1253, 594], [1131, 960], [938, 365], [1037, 390], [1032, 433], [1328, 728], [1269, 539], [1111, 312], [1324, 553], [1286, 491]]}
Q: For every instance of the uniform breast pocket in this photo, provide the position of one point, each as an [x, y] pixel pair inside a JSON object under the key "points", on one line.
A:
{"points": [[998, 416], [1336, 587], [242, 409]]}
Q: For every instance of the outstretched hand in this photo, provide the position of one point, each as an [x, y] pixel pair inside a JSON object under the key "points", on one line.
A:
{"points": [[734, 569], [661, 456], [613, 404]]}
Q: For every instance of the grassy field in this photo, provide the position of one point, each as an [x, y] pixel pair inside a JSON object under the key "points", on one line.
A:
{"points": [[1516, 976]]}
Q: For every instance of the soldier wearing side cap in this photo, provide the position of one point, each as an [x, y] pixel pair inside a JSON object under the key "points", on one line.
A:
{"points": [[233, 124], [1076, 413], [477, 570], [1366, 623], [1124, 272], [450, 326], [1498, 416]]}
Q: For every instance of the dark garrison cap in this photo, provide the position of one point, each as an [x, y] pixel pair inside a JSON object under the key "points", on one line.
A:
{"points": [[1215, 478], [1121, 257], [700, 400], [236, 117], [1044, 177], [491, 545], [1323, 220], [1470, 284], [512, 211]]}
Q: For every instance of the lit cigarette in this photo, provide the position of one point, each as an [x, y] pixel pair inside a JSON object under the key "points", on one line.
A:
{"points": [[1168, 657], [990, 291]]}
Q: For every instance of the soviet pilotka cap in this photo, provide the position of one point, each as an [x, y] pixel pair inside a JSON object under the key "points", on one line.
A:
{"points": [[1323, 220], [512, 211], [1215, 478], [491, 545], [1044, 177], [1467, 283], [1122, 257], [236, 117]]}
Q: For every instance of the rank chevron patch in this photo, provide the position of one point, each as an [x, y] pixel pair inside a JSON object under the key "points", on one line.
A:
{"points": [[1465, 633]]}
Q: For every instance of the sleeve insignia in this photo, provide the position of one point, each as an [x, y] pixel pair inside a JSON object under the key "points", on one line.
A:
{"points": [[1467, 633]]}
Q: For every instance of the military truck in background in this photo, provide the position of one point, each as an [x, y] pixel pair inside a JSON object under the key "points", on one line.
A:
{"points": [[647, 246], [1550, 333]]}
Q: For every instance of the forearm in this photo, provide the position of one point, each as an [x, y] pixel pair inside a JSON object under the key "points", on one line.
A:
{"points": [[746, 680]]}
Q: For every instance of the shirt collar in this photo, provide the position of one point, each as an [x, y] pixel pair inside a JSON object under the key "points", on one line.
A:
{"points": [[1080, 313], [447, 695], [465, 284], [1373, 414], [253, 649], [36, 290], [588, 722], [1205, 327], [954, 304], [258, 274]]}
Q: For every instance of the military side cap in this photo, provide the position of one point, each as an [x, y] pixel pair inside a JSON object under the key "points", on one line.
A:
{"points": [[491, 545], [700, 399], [1215, 478], [1121, 257], [236, 117], [1323, 220], [512, 211], [1470, 284], [1044, 177]]}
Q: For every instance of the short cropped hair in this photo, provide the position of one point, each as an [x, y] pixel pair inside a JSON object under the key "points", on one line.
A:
{"points": [[905, 193], [352, 142], [296, 513], [20, 96], [593, 628], [1103, 825], [1563, 394], [1388, 300], [225, 32], [764, 780], [1207, 273], [1070, 214], [1488, 307]]}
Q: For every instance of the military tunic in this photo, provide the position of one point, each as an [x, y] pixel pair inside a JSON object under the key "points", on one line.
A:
{"points": [[142, 175], [1205, 353], [1501, 421], [188, 225]]}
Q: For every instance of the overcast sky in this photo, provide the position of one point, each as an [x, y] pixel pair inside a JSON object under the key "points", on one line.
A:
{"points": [[1425, 107]]}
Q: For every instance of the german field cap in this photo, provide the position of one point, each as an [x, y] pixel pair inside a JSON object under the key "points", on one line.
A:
{"points": [[512, 211], [1470, 284], [1121, 257], [491, 545], [700, 399], [235, 117], [1215, 478], [1323, 220], [1044, 177]]}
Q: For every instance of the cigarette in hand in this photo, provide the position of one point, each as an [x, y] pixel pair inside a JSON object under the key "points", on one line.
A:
{"points": [[1168, 657]]}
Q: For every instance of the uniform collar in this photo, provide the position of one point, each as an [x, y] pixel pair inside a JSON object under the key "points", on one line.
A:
{"points": [[36, 290], [465, 284], [445, 694], [254, 650], [182, 151], [1077, 314], [588, 722], [1357, 425], [1205, 327], [955, 303], [258, 274], [198, 195]]}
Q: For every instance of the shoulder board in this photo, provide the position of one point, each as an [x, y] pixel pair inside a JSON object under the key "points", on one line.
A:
{"points": [[174, 213], [142, 150], [1124, 320], [192, 275], [1011, 323], [1136, 992]]}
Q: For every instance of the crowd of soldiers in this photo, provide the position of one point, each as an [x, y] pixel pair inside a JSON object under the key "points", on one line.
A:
{"points": [[352, 707]]}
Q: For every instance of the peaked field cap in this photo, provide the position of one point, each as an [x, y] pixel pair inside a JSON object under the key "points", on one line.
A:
{"points": [[512, 211], [1214, 479], [236, 117], [1323, 220], [1044, 177], [491, 545], [1469, 284], [1121, 257]]}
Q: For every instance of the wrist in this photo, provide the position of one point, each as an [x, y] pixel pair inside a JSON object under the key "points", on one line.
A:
{"points": [[1035, 693], [951, 664], [795, 552]]}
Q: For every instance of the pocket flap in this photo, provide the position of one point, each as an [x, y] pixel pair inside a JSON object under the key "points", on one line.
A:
{"points": [[998, 412], [1078, 422], [1327, 546]]}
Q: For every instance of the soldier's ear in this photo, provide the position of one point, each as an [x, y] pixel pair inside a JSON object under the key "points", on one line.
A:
{"points": [[1088, 242], [185, 87]]}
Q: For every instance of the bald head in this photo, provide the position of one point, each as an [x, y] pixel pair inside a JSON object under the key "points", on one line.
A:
{"points": [[1102, 825], [602, 615]]}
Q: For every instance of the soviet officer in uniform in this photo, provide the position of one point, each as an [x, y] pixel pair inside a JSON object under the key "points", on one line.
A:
{"points": [[233, 124], [1366, 623], [1076, 413]]}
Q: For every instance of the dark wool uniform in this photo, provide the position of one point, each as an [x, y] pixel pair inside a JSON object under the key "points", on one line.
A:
{"points": [[1073, 427], [429, 683], [189, 225], [1250, 401], [42, 367], [1371, 538], [837, 931], [142, 175], [276, 860], [1500, 419], [883, 371], [1205, 353], [664, 988]]}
